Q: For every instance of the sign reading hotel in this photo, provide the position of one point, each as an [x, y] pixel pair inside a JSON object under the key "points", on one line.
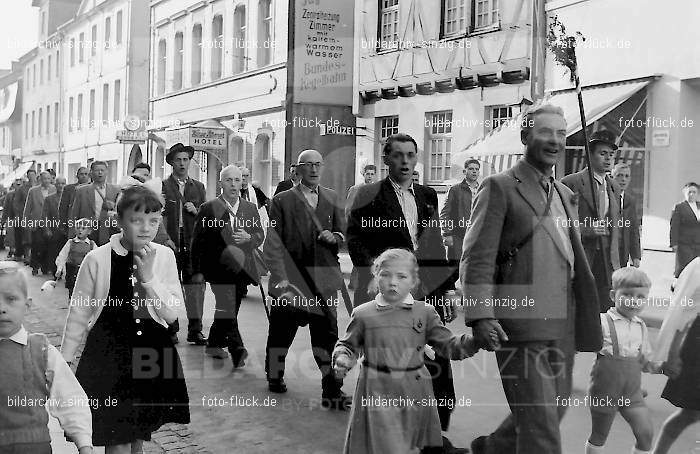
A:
{"points": [[200, 138], [323, 51]]}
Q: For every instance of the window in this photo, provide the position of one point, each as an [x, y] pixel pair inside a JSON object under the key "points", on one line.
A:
{"points": [[498, 116], [33, 123], [178, 54], [48, 68], [81, 47], [80, 111], [28, 79], [454, 17], [162, 58], [264, 33], [196, 74], [105, 103], [386, 127], [40, 122], [55, 117], [58, 64], [239, 40], [389, 24], [72, 51], [217, 49], [26, 126], [71, 119], [34, 75], [108, 31], [93, 41], [48, 119], [486, 13], [117, 100], [43, 23], [92, 109], [119, 27], [41, 72], [439, 145]]}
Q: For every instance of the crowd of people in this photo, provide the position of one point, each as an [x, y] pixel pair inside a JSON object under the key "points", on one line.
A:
{"points": [[566, 253]]}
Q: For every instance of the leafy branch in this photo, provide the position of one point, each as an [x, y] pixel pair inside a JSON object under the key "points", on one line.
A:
{"points": [[563, 46]]}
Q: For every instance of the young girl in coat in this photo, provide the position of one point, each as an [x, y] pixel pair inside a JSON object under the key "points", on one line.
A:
{"points": [[393, 409], [125, 295]]}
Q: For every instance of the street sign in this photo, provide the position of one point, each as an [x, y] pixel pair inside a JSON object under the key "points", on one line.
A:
{"points": [[126, 136]]}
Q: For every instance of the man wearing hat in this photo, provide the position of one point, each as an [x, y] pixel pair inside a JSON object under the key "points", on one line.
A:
{"points": [[183, 196], [226, 232], [600, 231]]}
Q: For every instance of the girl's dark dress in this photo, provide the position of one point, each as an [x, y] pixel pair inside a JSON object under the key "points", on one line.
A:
{"points": [[130, 369], [684, 390]]}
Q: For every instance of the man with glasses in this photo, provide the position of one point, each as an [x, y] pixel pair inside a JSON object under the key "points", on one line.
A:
{"points": [[301, 251], [599, 230]]}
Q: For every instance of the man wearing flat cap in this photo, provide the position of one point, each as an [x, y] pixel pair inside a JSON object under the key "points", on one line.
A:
{"points": [[183, 196], [600, 231]]}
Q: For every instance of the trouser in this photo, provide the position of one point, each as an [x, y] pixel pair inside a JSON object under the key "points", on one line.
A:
{"points": [[55, 243], [26, 448], [602, 276], [224, 331], [685, 254], [40, 255], [19, 240], [454, 254], [193, 293], [323, 327], [536, 378]]}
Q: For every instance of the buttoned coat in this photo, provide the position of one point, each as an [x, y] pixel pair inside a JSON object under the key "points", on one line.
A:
{"points": [[505, 211], [83, 206], [34, 205], [194, 192]]}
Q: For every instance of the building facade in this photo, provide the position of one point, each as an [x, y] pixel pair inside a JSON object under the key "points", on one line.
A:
{"points": [[444, 71], [10, 124], [105, 67], [218, 82]]}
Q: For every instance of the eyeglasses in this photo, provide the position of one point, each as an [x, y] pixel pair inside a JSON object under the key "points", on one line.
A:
{"points": [[7, 267], [310, 165]]}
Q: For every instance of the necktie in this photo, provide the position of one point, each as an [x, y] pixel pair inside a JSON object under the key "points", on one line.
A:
{"points": [[622, 202], [601, 200], [244, 194]]}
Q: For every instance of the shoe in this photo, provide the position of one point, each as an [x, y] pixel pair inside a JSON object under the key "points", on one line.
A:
{"points": [[196, 338], [277, 386], [216, 352], [449, 448], [238, 356], [339, 401], [174, 339], [479, 445]]}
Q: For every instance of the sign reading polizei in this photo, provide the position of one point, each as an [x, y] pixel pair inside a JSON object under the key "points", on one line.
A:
{"points": [[126, 136], [323, 51]]}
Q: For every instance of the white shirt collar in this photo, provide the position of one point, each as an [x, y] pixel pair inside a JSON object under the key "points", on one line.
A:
{"points": [[398, 188], [307, 189], [234, 207], [617, 316], [381, 302], [116, 244], [19, 337], [78, 240]]}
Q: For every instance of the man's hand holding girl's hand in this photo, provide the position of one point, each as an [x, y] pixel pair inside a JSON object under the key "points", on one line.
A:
{"points": [[341, 366]]}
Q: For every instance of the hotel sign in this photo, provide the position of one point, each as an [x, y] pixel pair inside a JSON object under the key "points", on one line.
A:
{"points": [[128, 136], [323, 51], [200, 138]]}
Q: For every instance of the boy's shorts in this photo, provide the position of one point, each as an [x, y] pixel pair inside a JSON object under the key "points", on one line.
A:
{"points": [[616, 383]]}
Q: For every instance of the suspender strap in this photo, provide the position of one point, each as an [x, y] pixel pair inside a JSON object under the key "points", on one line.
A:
{"points": [[613, 335]]}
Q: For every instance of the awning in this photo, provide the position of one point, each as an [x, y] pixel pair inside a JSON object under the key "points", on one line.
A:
{"points": [[8, 96], [505, 140], [17, 173]]}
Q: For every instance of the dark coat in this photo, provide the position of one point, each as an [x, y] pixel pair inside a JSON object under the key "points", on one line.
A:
{"points": [[685, 227], [283, 185], [212, 236], [366, 240], [292, 250], [195, 193], [50, 213], [83, 206], [579, 183], [457, 210], [64, 207], [504, 212], [20, 199], [630, 244]]}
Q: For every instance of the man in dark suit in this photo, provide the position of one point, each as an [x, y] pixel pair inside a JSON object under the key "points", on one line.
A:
{"points": [[183, 197], [301, 250], [600, 232], [52, 228], [685, 228], [82, 177], [455, 215], [399, 213], [22, 234], [288, 183], [630, 244], [97, 201], [527, 283], [226, 231], [35, 223]]}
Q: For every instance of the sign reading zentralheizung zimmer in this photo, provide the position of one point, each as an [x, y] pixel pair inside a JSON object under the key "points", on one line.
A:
{"points": [[323, 51]]}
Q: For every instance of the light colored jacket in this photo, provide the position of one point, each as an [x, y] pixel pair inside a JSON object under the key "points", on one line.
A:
{"points": [[92, 288]]}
